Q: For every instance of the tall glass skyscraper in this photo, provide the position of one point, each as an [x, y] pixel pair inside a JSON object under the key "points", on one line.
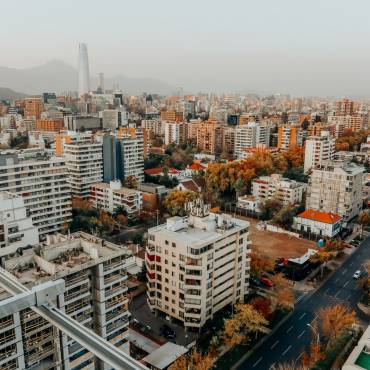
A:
{"points": [[83, 70]]}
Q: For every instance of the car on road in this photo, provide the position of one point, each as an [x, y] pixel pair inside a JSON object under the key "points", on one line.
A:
{"points": [[357, 275], [167, 332], [267, 282]]}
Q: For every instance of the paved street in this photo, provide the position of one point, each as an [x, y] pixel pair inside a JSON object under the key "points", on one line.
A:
{"points": [[288, 342]]}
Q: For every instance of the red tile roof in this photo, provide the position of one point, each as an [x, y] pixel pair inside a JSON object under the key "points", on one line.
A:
{"points": [[325, 217], [196, 167], [190, 185], [159, 170]]}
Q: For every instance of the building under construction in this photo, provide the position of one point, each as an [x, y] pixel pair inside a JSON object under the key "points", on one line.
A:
{"points": [[95, 295]]}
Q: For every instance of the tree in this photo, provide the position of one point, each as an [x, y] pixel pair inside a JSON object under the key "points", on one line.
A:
{"points": [[260, 264], [269, 208], [246, 321], [81, 203], [282, 292], [193, 361], [284, 217], [262, 305], [363, 219], [131, 182], [334, 319], [121, 219], [175, 201]]}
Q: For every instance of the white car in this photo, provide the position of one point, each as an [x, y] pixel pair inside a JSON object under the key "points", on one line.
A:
{"points": [[357, 274]]}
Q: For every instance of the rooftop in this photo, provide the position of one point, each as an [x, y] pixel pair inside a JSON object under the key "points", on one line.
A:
{"points": [[165, 355], [325, 217]]}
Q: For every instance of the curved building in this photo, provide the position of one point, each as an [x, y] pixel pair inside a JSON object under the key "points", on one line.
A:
{"points": [[83, 70]]}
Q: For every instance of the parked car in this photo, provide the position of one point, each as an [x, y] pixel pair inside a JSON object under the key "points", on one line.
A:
{"points": [[357, 275], [267, 282], [254, 281], [167, 332]]}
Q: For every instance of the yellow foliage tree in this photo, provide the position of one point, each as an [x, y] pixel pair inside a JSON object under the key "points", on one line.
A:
{"points": [[176, 199], [247, 320], [260, 264], [282, 292], [334, 319]]}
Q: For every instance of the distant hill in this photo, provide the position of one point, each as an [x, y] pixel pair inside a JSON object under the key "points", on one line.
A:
{"points": [[58, 76], [9, 94]]}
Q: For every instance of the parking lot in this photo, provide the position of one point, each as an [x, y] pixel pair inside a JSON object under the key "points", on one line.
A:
{"points": [[141, 312]]}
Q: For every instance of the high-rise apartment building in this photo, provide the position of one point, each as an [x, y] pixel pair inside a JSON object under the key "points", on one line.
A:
{"points": [[344, 107], [41, 180], [83, 155], [111, 118], [16, 227], [197, 265], [251, 135], [174, 132], [209, 137], [290, 136], [318, 149], [95, 295], [171, 115], [33, 107], [228, 141], [336, 188], [83, 70], [132, 152]]}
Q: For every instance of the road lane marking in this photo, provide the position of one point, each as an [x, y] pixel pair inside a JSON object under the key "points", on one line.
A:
{"points": [[344, 271], [274, 345], [258, 361], [272, 367], [301, 334], [303, 315], [345, 284], [285, 352], [326, 291], [351, 264], [337, 293], [335, 281], [314, 319], [348, 297], [297, 359], [289, 329]]}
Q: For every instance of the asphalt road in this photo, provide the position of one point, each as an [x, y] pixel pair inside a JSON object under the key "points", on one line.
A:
{"points": [[291, 338]]}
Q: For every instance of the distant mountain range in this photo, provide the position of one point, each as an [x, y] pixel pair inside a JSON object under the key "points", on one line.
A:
{"points": [[9, 94], [58, 76]]}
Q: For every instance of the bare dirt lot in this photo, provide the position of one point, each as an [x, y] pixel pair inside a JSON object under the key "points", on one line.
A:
{"points": [[276, 245]]}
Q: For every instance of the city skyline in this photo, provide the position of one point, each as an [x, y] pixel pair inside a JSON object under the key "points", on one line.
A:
{"points": [[211, 47]]}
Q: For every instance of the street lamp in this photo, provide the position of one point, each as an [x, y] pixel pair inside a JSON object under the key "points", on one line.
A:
{"points": [[316, 332]]}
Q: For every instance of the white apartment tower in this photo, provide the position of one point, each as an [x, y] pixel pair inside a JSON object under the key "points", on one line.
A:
{"points": [[336, 188], [16, 228], [197, 265], [41, 180], [95, 295], [251, 135], [83, 154], [318, 149]]}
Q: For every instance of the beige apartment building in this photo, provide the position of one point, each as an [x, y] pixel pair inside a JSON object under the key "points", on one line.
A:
{"points": [[83, 154], [336, 188], [318, 149], [94, 272], [197, 265]]}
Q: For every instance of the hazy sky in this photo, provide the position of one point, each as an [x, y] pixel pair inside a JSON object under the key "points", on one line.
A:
{"points": [[317, 47]]}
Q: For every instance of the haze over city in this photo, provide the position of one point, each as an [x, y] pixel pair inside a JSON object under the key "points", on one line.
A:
{"points": [[301, 48]]}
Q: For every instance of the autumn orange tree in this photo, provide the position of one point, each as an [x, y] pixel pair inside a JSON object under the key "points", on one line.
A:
{"points": [[260, 264], [262, 305], [350, 140], [175, 201], [334, 319], [193, 361], [81, 203], [282, 293], [363, 220], [131, 182], [245, 322]]}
